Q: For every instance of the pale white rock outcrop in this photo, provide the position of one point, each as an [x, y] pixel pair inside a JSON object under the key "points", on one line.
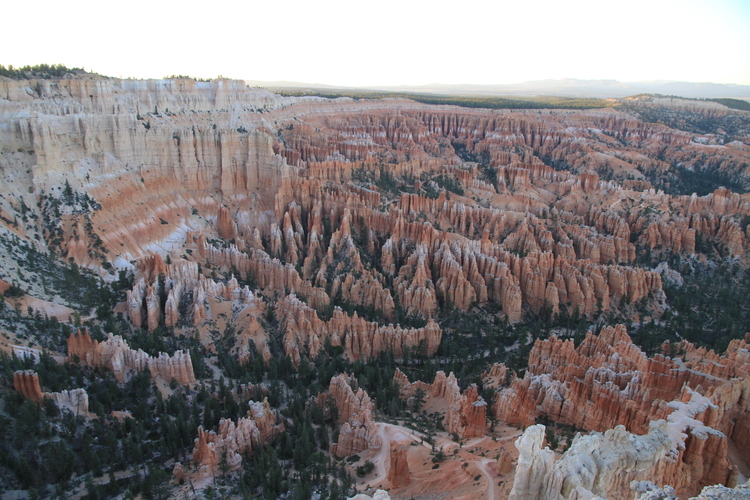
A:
{"points": [[534, 465], [649, 491], [606, 465], [378, 495]]}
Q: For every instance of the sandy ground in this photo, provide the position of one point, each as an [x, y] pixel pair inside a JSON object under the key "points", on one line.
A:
{"points": [[470, 471], [60, 312]]}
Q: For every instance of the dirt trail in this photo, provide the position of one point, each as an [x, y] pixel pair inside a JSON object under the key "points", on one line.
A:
{"points": [[388, 433], [380, 457], [490, 482]]}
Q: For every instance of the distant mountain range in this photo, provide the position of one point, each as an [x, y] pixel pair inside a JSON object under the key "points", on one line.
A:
{"points": [[568, 87]]}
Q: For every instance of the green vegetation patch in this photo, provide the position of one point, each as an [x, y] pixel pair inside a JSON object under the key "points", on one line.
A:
{"points": [[38, 71], [733, 103], [488, 102]]}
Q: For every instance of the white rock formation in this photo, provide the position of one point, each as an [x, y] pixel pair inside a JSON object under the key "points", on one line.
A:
{"points": [[378, 495], [649, 491], [606, 465], [534, 465]]}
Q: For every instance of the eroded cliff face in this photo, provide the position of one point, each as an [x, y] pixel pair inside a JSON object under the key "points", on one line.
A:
{"points": [[358, 430], [696, 401], [115, 355], [299, 190]]}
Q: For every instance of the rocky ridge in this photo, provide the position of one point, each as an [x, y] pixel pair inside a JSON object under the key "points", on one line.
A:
{"points": [[235, 440], [305, 333], [26, 382], [115, 355], [608, 383]]}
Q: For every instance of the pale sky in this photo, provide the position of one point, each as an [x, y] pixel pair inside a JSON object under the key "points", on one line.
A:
{"points": [[389, 42]]}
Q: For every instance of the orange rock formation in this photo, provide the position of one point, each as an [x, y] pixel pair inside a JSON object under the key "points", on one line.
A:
{"points": [[358, 430], [27, 383], [305, 333], [236, 439], [465, 413], [398, 470], [608, 382], [115, 355]]}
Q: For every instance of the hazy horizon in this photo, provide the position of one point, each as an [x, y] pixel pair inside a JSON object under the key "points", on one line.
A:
{"points": [[341, 44]]}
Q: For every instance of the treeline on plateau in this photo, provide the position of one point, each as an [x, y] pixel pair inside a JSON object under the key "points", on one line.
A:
{"points": [[38, 71], [728, 126], [733, 103], [488, 102]]}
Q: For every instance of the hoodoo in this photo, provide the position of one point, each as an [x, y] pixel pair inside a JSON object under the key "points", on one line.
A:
{"points": [[302, 297]]}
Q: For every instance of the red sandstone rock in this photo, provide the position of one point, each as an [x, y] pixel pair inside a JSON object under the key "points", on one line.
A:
{"points": [[398, 471], [27, 383], [305, 333], [236, 439]]}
